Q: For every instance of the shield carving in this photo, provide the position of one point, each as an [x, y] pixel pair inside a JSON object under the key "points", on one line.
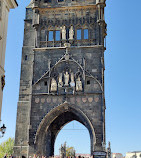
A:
{"points": [[42, 100], [96, 99], [54, 100], [84, 100], [72, 100], [48, 100], [78, 100], [37, 100], [90, 100], [60, 100]]}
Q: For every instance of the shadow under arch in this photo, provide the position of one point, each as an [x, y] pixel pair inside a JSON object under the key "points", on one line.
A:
{"points": [[53, 122]]}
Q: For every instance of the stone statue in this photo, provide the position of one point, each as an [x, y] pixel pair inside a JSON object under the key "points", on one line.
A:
{"points": [[109, 151], [66, 77], [71, 33], [60, 83], [78, 84], [72, 80], [64, 33], [53, 85]]}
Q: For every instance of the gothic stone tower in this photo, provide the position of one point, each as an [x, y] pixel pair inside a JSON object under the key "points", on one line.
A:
{"points": [[62, 74]]}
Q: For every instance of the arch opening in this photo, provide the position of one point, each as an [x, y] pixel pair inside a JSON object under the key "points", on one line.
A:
{"points": [[76, 135], [52, 125]]}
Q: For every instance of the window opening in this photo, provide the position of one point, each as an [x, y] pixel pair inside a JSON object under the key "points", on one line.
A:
{"points": [[86, 34], [57, 35], [79, 34], [25, 57], [50, 36], [43, 35], [45, 83], [88, 82], [67, 33]]}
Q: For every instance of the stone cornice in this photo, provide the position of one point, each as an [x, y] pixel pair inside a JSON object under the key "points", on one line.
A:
{"points": [[48, 48], [67, 8]]}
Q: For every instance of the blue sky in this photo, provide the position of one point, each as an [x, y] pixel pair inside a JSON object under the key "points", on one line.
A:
{"points": [[122, 78]]}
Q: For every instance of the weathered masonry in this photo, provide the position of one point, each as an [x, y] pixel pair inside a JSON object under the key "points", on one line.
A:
{"points": [[62, 74]]}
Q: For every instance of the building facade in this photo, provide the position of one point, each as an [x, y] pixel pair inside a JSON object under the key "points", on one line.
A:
{"points": [[117, 155], [62, 74], [134, 154], [5, 6]]}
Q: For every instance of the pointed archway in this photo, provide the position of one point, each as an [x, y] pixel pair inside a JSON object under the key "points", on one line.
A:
{"points": [[53, 122]]}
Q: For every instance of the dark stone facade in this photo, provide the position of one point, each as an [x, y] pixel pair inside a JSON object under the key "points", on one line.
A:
{"points": [[48, 99]]}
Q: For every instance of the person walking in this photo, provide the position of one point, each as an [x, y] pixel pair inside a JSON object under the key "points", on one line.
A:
{"points": [[5, 156]]}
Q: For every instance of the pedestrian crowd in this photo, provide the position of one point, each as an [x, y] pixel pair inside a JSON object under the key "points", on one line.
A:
{"points": [[6, 156], [35, 156]]}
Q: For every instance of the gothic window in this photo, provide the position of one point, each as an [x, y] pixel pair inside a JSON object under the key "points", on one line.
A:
{"points": [[47, 1], [43, 35], [25, 57], [57, 35], [50, 34], [88, 82], [79, 34], [45, 83], [86, 34]]}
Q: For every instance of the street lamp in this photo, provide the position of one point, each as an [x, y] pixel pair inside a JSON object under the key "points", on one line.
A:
{"points": [[2, 130]]}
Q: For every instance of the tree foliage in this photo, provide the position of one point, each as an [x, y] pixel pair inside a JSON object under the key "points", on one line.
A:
{"points": [[70, 151], [67, 151], [7, 147]]}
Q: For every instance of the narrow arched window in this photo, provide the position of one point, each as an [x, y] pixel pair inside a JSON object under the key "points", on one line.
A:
{"points": [[50, 38], [86, 34], [79, 34], [57, 35]]}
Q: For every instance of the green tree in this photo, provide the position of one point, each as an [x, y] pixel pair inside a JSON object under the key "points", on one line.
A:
{"points": [[7, 147], [70, 151]]}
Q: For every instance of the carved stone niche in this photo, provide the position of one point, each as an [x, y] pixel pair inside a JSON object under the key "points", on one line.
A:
{"points": [[67, 80]]}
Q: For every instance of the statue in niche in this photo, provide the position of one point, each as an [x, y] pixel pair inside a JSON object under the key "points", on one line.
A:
{"points": [[53, 85], [60, 83], [78, 84], [64, 33], [71, 33], [72, 80], [66, 77]]}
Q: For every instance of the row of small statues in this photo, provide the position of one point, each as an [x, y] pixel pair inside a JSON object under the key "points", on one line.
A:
{"points": [[66, 83], [71, 33]]}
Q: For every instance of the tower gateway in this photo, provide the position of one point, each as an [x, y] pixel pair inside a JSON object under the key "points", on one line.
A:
{"points": [[62, 74]]}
